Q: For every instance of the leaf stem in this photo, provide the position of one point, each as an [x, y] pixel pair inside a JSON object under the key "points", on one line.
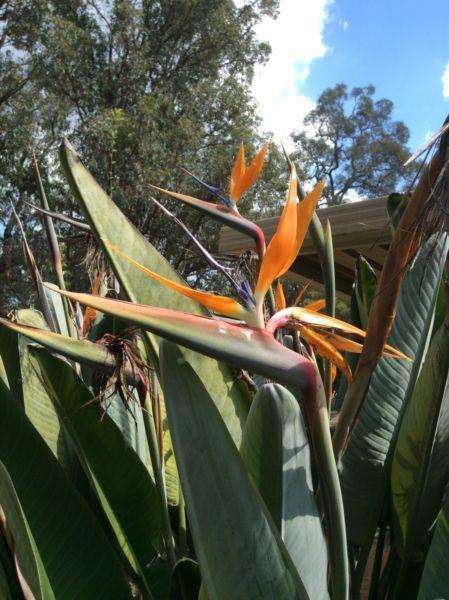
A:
{"points": [[182, 541], [159, 479], [54, 248], [315, 410]]}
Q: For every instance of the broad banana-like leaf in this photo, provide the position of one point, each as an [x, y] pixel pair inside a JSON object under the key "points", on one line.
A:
{"points": [[75, 553], [109, 224], [240, 553], [37, 404], [420, 467], [276, 452], [435, 577], [29, 567], [124, 487], [365, 466], [9, 584], [9, 361], [41, 411], [129, 420]]}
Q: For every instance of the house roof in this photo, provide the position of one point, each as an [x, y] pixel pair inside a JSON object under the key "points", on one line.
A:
{"points": [[357, 228]]}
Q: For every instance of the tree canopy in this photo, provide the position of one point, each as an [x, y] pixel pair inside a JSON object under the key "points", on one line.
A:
{"points": [[351, 139], [141, 88]]}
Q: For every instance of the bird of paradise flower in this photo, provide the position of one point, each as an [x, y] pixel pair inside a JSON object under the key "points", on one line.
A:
{"points": [[328, 336]]}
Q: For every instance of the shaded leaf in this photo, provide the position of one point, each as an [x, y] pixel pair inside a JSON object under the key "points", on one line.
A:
{"points": [[124, 487], [365, 466], [213, 475], [435, 577], [63, 528], [276, 452], [420, 469]]}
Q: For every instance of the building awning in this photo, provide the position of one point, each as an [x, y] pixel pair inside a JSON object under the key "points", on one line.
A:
{"points": [[357, 228]]}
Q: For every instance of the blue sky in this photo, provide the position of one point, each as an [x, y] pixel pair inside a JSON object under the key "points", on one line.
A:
{"points": [[400, 47]]}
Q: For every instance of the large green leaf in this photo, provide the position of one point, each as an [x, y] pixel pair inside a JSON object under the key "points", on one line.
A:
{"points": [[109, 223], [365, 466], [76, 556], [9, 584], [420, 466], [239, 551], [9, 361], [37, 404], [435, 577], [123, 484], [26, 555], [276, 451]]}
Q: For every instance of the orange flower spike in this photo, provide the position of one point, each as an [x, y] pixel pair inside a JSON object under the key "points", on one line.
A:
{"points": [[305, 210], [325, 349], [348, 345], [221, 304], [238, 171], [282, 243], [280, 297], [316, 306], [242, 178]]}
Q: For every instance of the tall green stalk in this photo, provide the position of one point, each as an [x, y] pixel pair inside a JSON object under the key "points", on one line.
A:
{"points": [[153, 446], [54, 248]]}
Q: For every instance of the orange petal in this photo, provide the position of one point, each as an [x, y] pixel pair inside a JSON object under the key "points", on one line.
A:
{"points": [[326, 350], [305, 210], [317, 305], [347, 345], [309, 317], [301, 293], [280, 297], [342, 343], [318, 320], [222, 304], [281, 244], [251, 173], [238, 171]]}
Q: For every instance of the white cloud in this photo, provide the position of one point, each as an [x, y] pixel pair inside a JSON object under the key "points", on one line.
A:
{"points": [[296, 39], [445, 81]]}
